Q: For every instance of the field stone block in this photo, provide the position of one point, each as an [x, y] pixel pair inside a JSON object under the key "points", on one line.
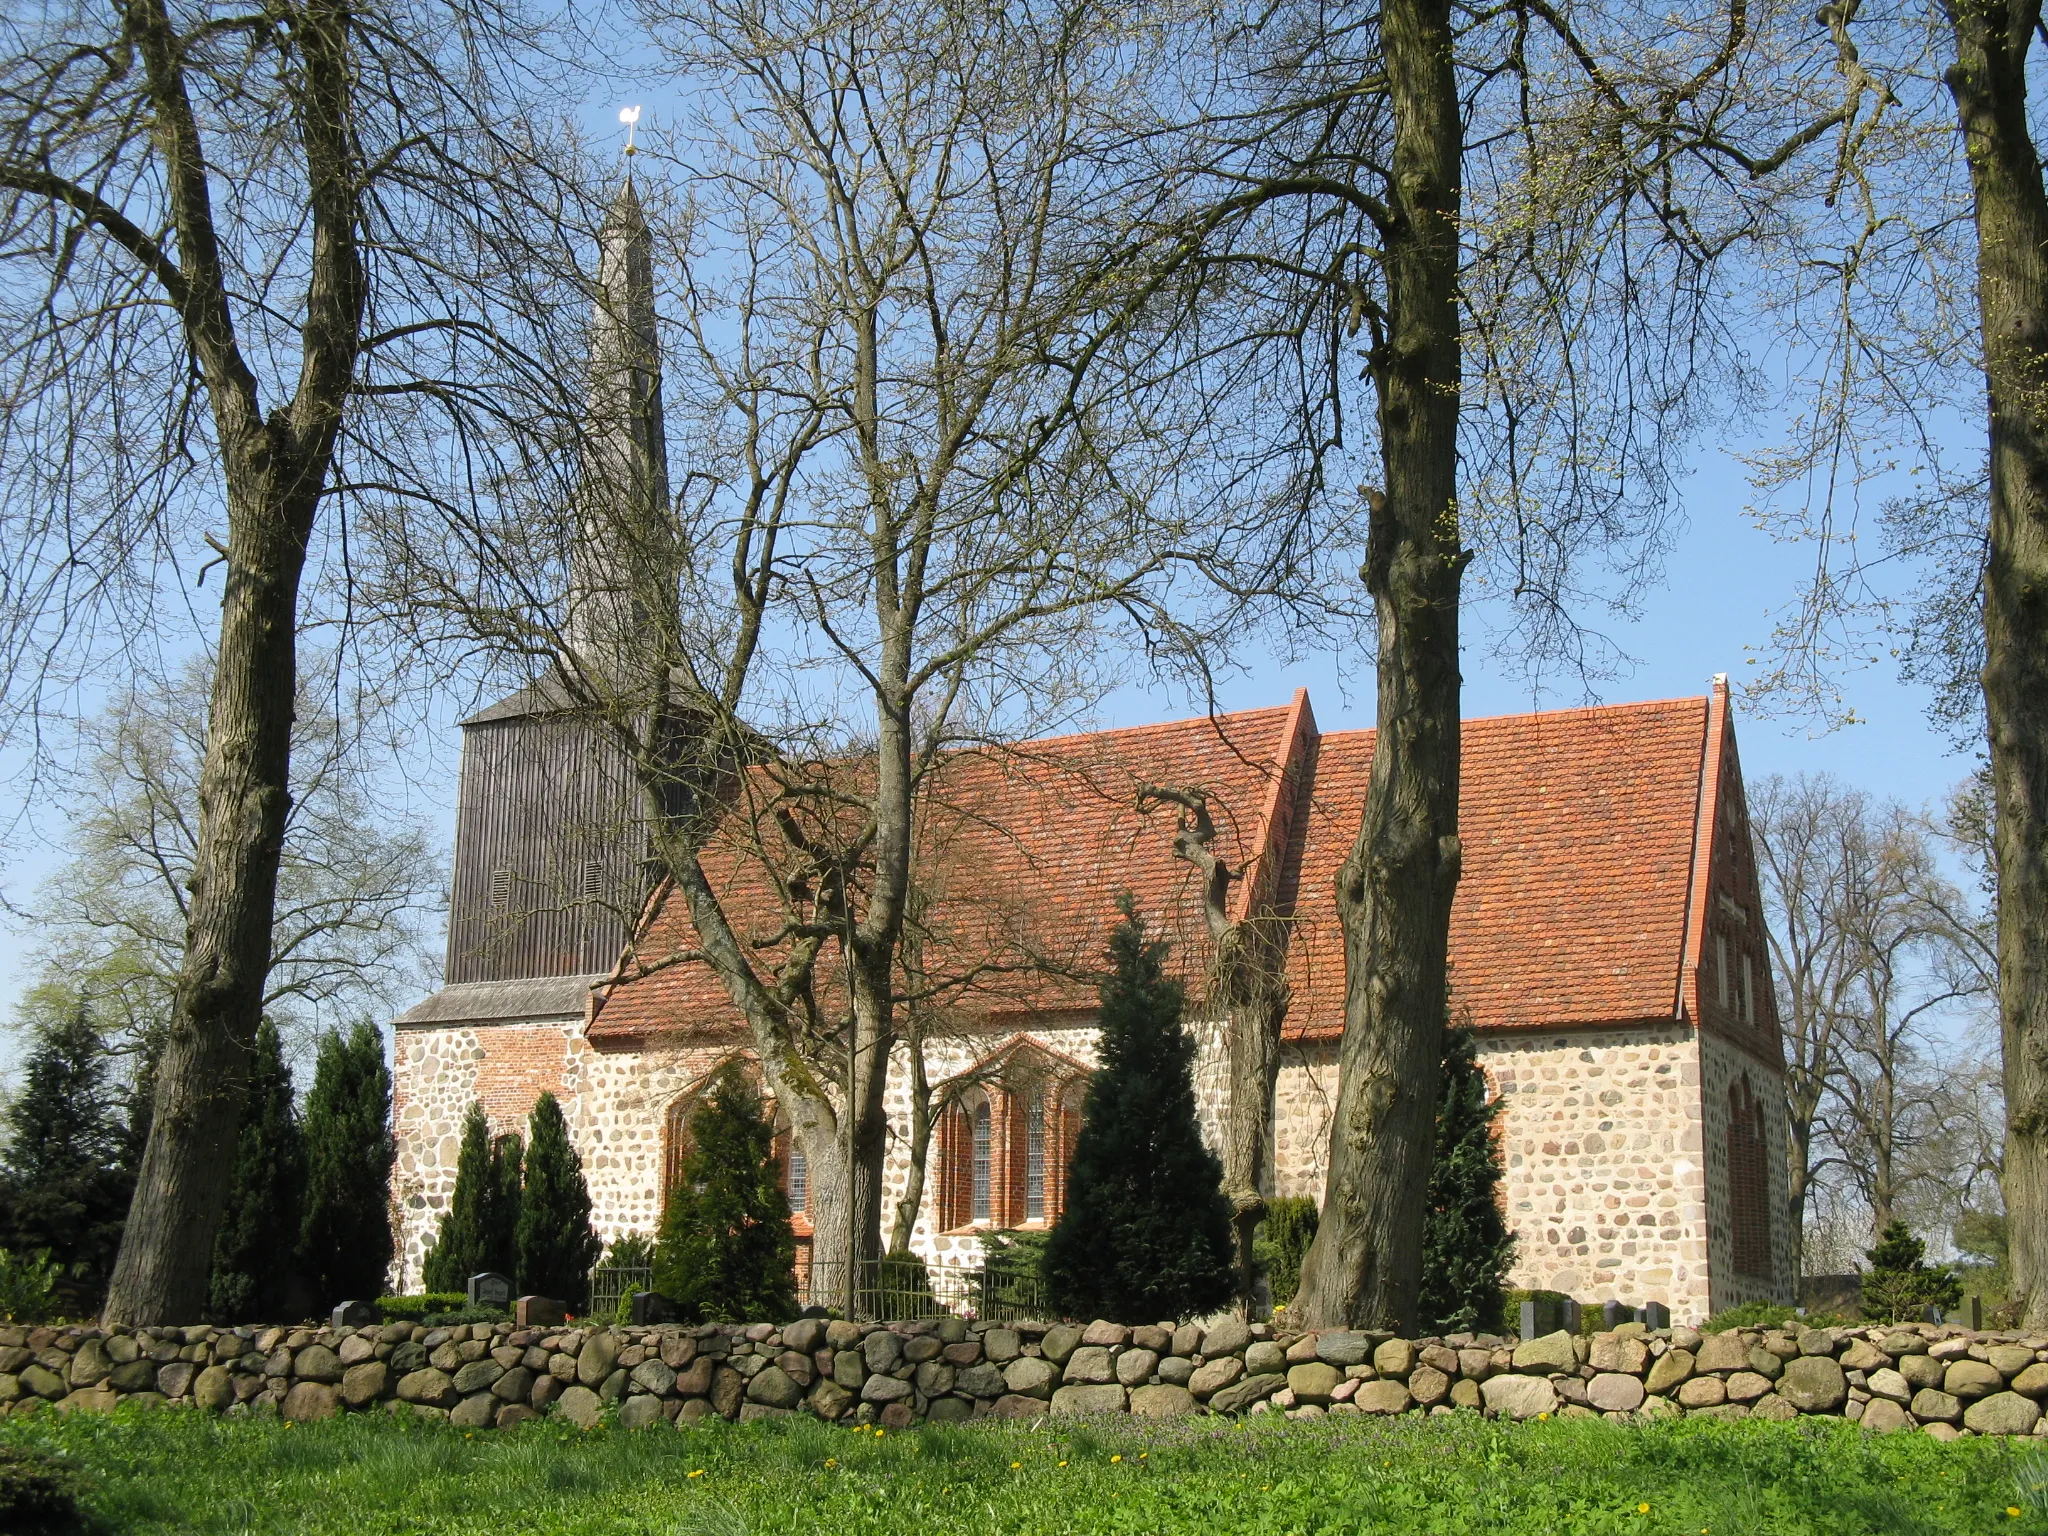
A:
{"points": [[1670, 1368], [1615, 1392], [935, 1378], [1074, 1402], [1313, 1382], [595, 1360], [1090, 1365], [640, 1410], [1002, 1345], [1862, 1355], [515, 1386], [1176, 1371], [1515, 1397], [430, 1388], [774, 1387], [728, 1388], [1551, 1352], [654, 1377], [1026, 1377], [580, 1406], [922, 1348], [1214, 1375], [1623, 1352], [1922, 1370], [1134, 1367], [479, 1410], [1226, 1336], [828, 1400], [1722, 1352], [1394, 1357], [2002, 1413], [512, 1415], [1381, 1396], [2008, 1359], [849, 1369], [1059, 1343], [1971, 1379], [362, 1385], [1187, 1339], [356, 1348], [1882, 1416], [1814, 1383], [1012, 1406], [1703, 1392], [1162, 1402], [311, 1400], [133, 1376], [1265, 1358], [1428, 1385], [477, 1376], [804, 1335], [1342, 1346], [949, 1410], [1888, 1384], [1747, 1386], [212, 1388], [1773, 1407], [175, 1379], [980, 1381], [881, 1351], [2032, 1382], [1152, 1336], [411, 1356], [1105, 1334], [1253, 1389], [122, 1348], [883, 1389], [1932, 1406], [445, 1356]]}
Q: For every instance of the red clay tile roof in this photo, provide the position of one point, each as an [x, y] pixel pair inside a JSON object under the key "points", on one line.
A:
{"points": [[1578, 827]]}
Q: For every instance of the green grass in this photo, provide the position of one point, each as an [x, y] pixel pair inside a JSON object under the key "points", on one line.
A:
{"points": [[375, 1476]]}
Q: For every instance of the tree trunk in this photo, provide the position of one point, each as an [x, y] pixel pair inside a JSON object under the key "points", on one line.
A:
{"points": [[1394, 891], [1254, 989], [921, 1120], [1988, 82], [276, 471]]}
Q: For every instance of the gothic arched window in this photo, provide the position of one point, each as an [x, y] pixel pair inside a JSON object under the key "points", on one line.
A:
{"points": [[1749, 1196]]}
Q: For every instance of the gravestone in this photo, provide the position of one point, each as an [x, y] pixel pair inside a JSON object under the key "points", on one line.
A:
{"points": [[353, 1314], [1970, 1314], [1613, 1314], [539, 1312], [1656, 1315], [1574, 1316], [490, 1289], [650, 1307], [1541, 1314]]}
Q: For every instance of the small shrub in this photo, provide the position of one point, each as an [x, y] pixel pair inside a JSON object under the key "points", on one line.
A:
{"points": [[38, 1496], [1281, 1243], [635, 1250], [1012, 1284], [457, 1316], [903, 1287], [1467, 1248], [28, 1286], [1900, 1284], [726, 1251], [415, 1309], [1769, 1314]]}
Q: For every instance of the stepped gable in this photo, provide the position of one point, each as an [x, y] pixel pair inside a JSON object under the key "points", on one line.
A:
{"points": [[1024, 851], [1579, 829]]}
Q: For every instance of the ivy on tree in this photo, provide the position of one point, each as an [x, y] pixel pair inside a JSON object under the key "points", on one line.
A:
{"points": [[1146, 1230], [344, 1237], [64, 1180], [255, 1250], [479, 1229], [557, 1244], [726, 1251], [1466, 1245]]}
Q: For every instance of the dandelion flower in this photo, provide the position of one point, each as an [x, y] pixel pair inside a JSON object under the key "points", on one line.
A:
{"points": [[1116, 1458], [1542, 1416], [1143, 1454], [2012, 1511], [879, 1433], [1016, 1465], [698, 1473], [1063, 1463], [1642, 1509], [831, 1461]]}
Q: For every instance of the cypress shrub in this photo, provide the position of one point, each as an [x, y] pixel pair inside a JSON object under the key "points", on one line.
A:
{"points": [[726, 1252], [501, 1228], [462, 1246], [1146, 1230], [557, 1244], [255, 1250], [345, 1243], [64, 1180], [1285, 1232], [1900, 1284], [1466, 1245]]}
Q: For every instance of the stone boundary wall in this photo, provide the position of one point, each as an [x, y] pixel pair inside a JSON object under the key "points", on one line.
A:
{"points": [[1944, 1381]]}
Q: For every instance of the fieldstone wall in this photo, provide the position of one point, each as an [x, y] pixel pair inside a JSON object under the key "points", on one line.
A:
{"points": [[1945, 1382]]}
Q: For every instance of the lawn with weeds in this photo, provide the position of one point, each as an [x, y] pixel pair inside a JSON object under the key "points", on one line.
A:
{"points": [[373, 1475]]}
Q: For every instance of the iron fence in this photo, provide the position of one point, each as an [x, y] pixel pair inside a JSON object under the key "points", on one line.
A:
{"points": [[611, 1284], [898, 1290]]}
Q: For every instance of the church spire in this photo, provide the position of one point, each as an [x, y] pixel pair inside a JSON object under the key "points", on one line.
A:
{"points": [[622, 577]]}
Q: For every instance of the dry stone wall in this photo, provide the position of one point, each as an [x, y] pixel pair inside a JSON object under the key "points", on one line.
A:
{"points": [[1942, 1382]]}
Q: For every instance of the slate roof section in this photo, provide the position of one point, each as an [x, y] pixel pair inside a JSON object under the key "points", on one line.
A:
{"points": [[490, 1002], [1579, 831]]}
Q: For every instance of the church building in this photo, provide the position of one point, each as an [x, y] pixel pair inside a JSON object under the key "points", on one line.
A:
{"points": [[1607, 949]]}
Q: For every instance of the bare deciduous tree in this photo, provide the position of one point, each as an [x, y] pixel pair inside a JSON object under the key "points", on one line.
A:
{"points": [[250, 258]]}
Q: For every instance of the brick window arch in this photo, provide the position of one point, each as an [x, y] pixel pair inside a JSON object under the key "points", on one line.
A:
{"points": [[1003, 1148], [1749, 1200], [677, 1144]]}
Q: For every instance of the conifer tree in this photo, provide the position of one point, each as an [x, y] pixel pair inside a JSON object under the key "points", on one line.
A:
{"points": [[557, 1244], [62, 1183], [1900, 1284], [256, 1248], [1146, 1230], [1466, 1245], [726, 1251], [461, 1246], [345, 1242]]}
